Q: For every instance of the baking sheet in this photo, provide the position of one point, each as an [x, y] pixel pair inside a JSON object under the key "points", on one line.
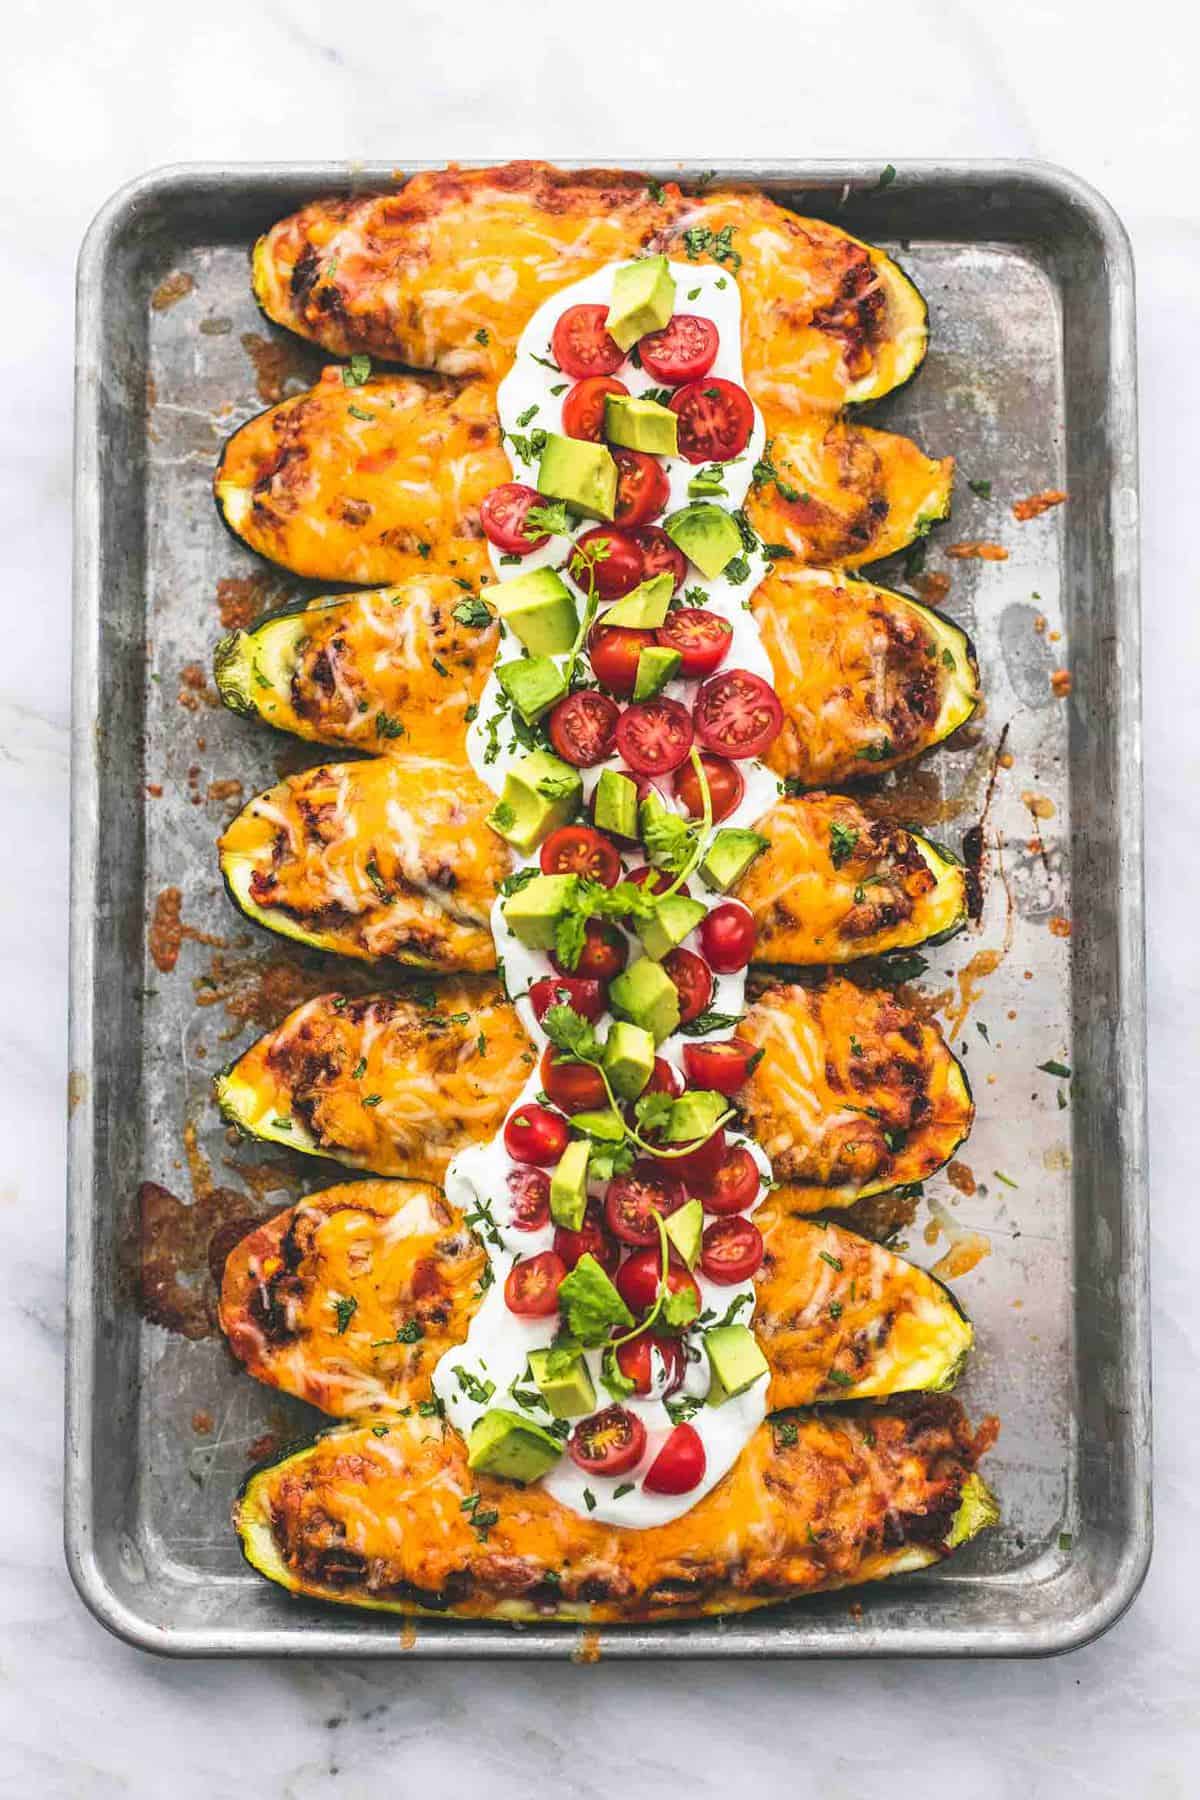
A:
{"points": [[1029, 383]]}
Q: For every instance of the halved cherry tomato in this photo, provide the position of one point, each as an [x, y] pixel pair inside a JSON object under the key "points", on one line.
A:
{"points": [[683, 351], [634, 1199], [693, 983], [679, 1465], [721, 1068], [604, 952], [587, 998], [528, 1199], [578, 850], [609, 1443], [583, 727], [583, 408], [657, 880], [643, 488], [664, 1079], [610, 558], [727, 937], [731, 1250], [655, 736], [614, 651], [715, 419], [700, 1165], [636, 1361], [502, 515], [701, 636], [531, 1287], [732, 1187], [534, 1134], [575, 1086], [581, 346], [737, 714], [637, 1280], [660, 556], [590, 1240], [725, 787]]}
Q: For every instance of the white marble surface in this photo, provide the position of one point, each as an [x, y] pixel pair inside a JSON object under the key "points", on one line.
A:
{"points": [[95, 95]]}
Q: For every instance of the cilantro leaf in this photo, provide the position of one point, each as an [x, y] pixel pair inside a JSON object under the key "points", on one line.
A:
{"points": [[842, 839], [473, 612]]}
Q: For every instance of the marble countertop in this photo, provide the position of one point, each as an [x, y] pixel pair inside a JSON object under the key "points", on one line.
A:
{"points": [[95, 96]]}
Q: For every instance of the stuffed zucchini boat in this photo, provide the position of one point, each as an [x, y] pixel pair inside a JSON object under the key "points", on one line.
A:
{"points": [[446, 271], [349, 1299], [377, 480], [394, 858], [854, 1094], [390, 1517]]}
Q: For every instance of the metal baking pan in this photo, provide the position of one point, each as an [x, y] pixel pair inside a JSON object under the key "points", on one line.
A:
{"points": [[1030, 384]]}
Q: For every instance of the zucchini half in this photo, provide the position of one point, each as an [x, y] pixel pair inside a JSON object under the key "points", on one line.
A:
{"points": [[379, 1517]]}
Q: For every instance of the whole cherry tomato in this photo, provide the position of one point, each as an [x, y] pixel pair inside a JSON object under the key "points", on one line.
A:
{"points": [[727, 937], [586, 997], [534, 1134]]}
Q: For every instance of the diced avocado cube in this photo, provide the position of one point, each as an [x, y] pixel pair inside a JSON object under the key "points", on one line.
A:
{"points": [[628, 1059], [605, 1125], [533, 684], [570, 1391], [531, 912], [656, 666], [694, 1115], [706, 535], [568, 1185], [540, 609], [646, 606], [582, 473], [669, 923], [641, 425], [643, 299], [685, 1229], [540, 793], [729, 856], [615, 804], [503, 1443], [645, 995], [735, 1361]]}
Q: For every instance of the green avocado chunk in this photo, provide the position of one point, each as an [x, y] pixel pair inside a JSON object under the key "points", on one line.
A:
{"points": [[568, 1185], [533, 684], [640, 425], [729, 856], [532, 911], [656, 666], [568, 1392], [645, 607], [539, 608], [607, 1126], [628, 1059], [685, 1229], [668, 925], [643, 299], [694, 1115], [540, 794], [645, 994], [735, 1361], [582, 473], [706, 535], [503, 1443], [615, 804]]}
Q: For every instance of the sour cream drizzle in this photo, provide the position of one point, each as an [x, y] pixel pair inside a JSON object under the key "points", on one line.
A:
{"points": [[493, 1358]]}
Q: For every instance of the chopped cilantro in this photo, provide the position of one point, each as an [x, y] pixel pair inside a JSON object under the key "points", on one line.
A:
{"points": [[344, 1311], [356, 371], [842, 839]]}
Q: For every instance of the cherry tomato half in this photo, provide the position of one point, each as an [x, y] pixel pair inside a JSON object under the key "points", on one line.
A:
{"points": [[578, 850], [725, 787], [721, 1068], [732, 1187], [693, 983], [727, 937], [610, 558], [643, 488], [587, 998], [581, 345], [731, 1250], [637, 1362], [702, 638], [737, 714], [583, 727], [633, 1201], [534, 1134], [583, 408], [660, 556], [637, 1280], [683, 351], [604, 952], [590, 1240], [502, 515], [715, 420], [609, 1443], [574, 1086], [613, 651], [679, 1465], [531, 1287], [655, 736], [528, 1199]]}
